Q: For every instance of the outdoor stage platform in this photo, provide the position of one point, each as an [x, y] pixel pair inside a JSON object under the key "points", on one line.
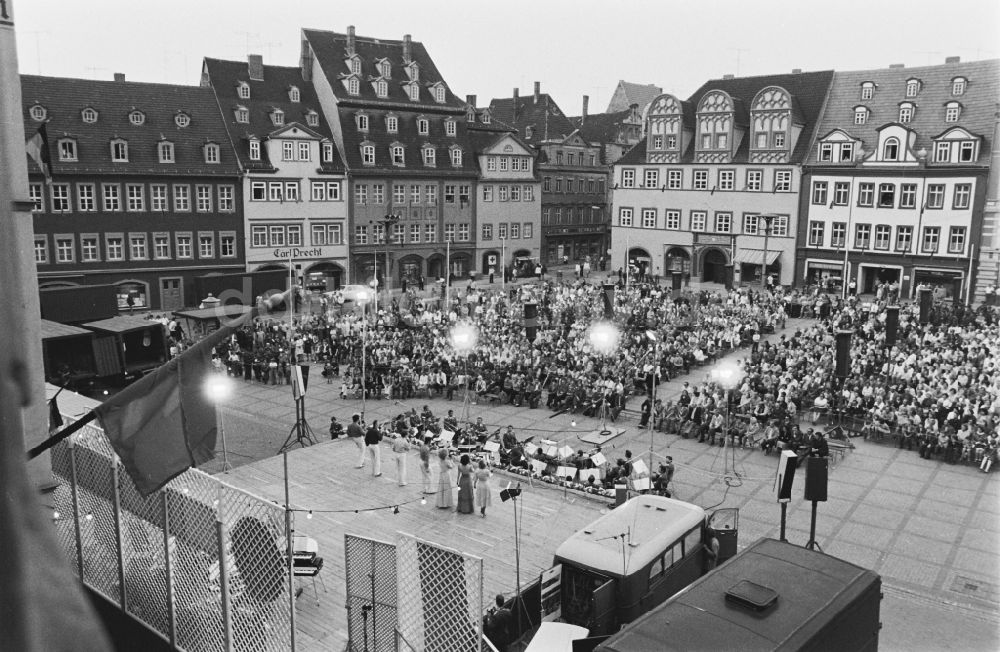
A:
{"points": [[323, 477]]}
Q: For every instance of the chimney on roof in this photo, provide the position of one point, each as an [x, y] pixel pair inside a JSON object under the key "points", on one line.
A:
{"points": [[538, 91], [586, 103], [407, 48], [517, 100], [796, 71], [350, 40], [119, 76], [952, 59], [729, 76], [255, 65], [897, 65], [470, 99]]}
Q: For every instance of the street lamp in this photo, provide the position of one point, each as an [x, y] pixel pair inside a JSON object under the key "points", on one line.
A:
{"points": [[728, 375], [387, 222], [604, 337], [218, 389], [364, 297], [768, 220], [464, 337]]}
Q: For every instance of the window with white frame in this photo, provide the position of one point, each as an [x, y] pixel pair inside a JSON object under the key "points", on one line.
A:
{"points": [[651, 178], [963, 196], [628, 178], [137, 118], [415, 232], [624, 216], [935, 195], [671, 219], [64, 249], [378, 193], [527, 193], [203, 198], [287, 150], [904, 238], [866, 194], [906, 112], [243, 90], [38, 112], [430, 232], [727, 179], [449, 127], [258, 191], [699, 220], [908, 195], [242, 114], [649, 218], [931, 239], [165, 151], [114, 247], [353, 86], [254, 149], [368, 155], [294, 235], [182, 199], [288, 191], [701, 179], [59, 197], [956, 239], [867, 90], [90, 250], [952, 110], [464, 233], [912, 87], [958, 86], [515, 230], [398, 154], [779, 140], [158, 197], [779, 226], [326, 234], [723, 222], [886, 195], [449, 194], [862, 235], [838, 234], [137, 247], [841, 192], [206, 246], [754, 180], [816, 233], [227, 245], [161, 246], [391, 124], [226, 201], [528, 230], [431, 193], [883, 234], [111, 193], [362, 122], [515, 193], [429, 155], [456, 158], [819, 192], [398, 194], [782, 180], [967, 151], [846, 152], [360, 234], [825, 152], [88, 115], [211, 153], [135, 197], [305, 151], [119, 151], [182, 120], [381, 88], [312, 119], [67, 149], [439, 94], [860, 115], [890, 149], [327, 148], [751, 223], [414, 194], [258, 236], [37, 197], [41, 250], [86, 197], [658, 141]]}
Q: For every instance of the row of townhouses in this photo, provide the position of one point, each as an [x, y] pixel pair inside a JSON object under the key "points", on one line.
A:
{"points": [[361, 162]]}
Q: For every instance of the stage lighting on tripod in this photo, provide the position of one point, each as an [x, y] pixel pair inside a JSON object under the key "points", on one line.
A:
{"points": [[510, 492]]}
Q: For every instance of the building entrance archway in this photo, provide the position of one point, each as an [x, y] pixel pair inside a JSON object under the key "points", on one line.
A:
{"points": [[713, 266]]}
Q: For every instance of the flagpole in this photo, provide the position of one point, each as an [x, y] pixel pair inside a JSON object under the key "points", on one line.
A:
{"points": [[289, 553]]}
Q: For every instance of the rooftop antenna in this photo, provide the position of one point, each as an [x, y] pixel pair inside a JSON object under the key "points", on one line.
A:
{"points": [[246, 37], [38, 47], [269, 45], [739, 55]]}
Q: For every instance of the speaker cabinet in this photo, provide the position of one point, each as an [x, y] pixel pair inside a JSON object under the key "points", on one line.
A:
{"points": [[891, 325], [817, 477], [786, 474], [926, 298], [843, 369]]}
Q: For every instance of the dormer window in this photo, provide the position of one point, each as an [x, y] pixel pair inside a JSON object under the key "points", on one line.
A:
{"points": [[890, 150], [182, 120], [368, 155], [38, 113], [119, 150], [779, 140], [327, 148], [722, 140], [952, 110], [470, 113], [958, 86], [429, 156], [211, 153], [439, 94], [88, 115], [67, 149], [449, 127], [165, 151], [355, 65], [487, 118], [906, 112], [293, 94], [312, 119], [398, 154], [385, 69], [658, 141], [413, 71], [242, 114], [353, 86], [456, 157], [860, 115], [254, 149], [137, 118], [277, 117], [391, 124], [413, 90], [243, 90], [912, 87], [381, 88], [867, 90], [362, 122], [423, 126], [529, 132]]}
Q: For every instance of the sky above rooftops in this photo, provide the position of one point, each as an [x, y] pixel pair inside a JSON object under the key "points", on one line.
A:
{"points": [[573, 47]]}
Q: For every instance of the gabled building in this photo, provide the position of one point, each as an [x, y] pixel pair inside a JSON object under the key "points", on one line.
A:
{"points": [[896, 181], [402, 134], [616, 132], [293, 177], [626, 94], [145, 191], [508, 205], [574, 179], [715, 181]]}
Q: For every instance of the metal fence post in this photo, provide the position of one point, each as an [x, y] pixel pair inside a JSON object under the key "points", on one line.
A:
{"points": [[227, 619], [76, 509], [117, 504], [169, 573]]}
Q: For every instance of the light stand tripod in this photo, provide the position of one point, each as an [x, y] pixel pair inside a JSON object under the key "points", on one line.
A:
{"points": [[300, 433], [513, 494]]}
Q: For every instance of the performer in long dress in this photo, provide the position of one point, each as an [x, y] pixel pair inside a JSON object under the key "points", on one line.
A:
{"points": [[465, 498], [444, 497], [484, 496]]}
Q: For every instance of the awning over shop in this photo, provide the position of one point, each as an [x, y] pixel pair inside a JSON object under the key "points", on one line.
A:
{"points": [[756, 256]]}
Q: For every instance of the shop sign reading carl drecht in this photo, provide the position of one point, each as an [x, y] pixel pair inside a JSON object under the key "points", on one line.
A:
{"points": [[295, 252]]}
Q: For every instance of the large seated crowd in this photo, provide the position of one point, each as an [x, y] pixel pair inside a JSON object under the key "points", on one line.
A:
{"points": [[936, 391]]}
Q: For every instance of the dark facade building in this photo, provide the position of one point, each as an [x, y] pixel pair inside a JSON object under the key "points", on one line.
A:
{"points": [[401, 132], [144, 194], [574, 178]]}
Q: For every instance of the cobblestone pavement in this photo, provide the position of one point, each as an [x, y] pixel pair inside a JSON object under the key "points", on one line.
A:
{"points": [[930, 529]]}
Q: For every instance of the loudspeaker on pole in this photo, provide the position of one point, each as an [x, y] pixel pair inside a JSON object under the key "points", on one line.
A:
{"points": [[817, 476], [926, 297], [843, 357], [786, 474], [609, 300], [531, 320], [891, 325]]}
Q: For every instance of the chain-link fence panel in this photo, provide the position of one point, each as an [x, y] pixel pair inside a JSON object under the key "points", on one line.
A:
{"points": [[370, 571], [440, 597]]}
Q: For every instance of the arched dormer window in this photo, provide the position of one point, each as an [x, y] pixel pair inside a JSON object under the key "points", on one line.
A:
{"points": [[381, 88], [423, 126], [912, 87], [860, 115], [211, 151], [89, 115], [392, 124], [362, 121], [952, 111], [449, 127], [242, 114], [354, 64], [277, 117], [770, 117], [456, 157], [38, 113], [413, 91], [470, 113], [890, 150], [136, 117], [385, 68], [867, 90], [958, 86], [429, 155], [413, 71], [243, 90], [312, 118], [439, 95], [165, 151], [353, 86], [119, 150], [714, 120], [906, 110], [293, 94], [397, 154]]}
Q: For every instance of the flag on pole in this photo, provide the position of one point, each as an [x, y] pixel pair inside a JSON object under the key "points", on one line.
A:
{"points": [[38, 149]]}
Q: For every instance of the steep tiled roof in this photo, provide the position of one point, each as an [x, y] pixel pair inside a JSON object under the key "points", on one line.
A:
{"points": [[331, 52], [978, 103], [641, 94], [265, 96], [546, 120], [635, 156], [808, 91], [65, 99], [601, 127]]}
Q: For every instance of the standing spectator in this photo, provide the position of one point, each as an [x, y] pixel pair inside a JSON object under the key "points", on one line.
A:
{"points": [[400, 448], [355, 433], [372, 439]]}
